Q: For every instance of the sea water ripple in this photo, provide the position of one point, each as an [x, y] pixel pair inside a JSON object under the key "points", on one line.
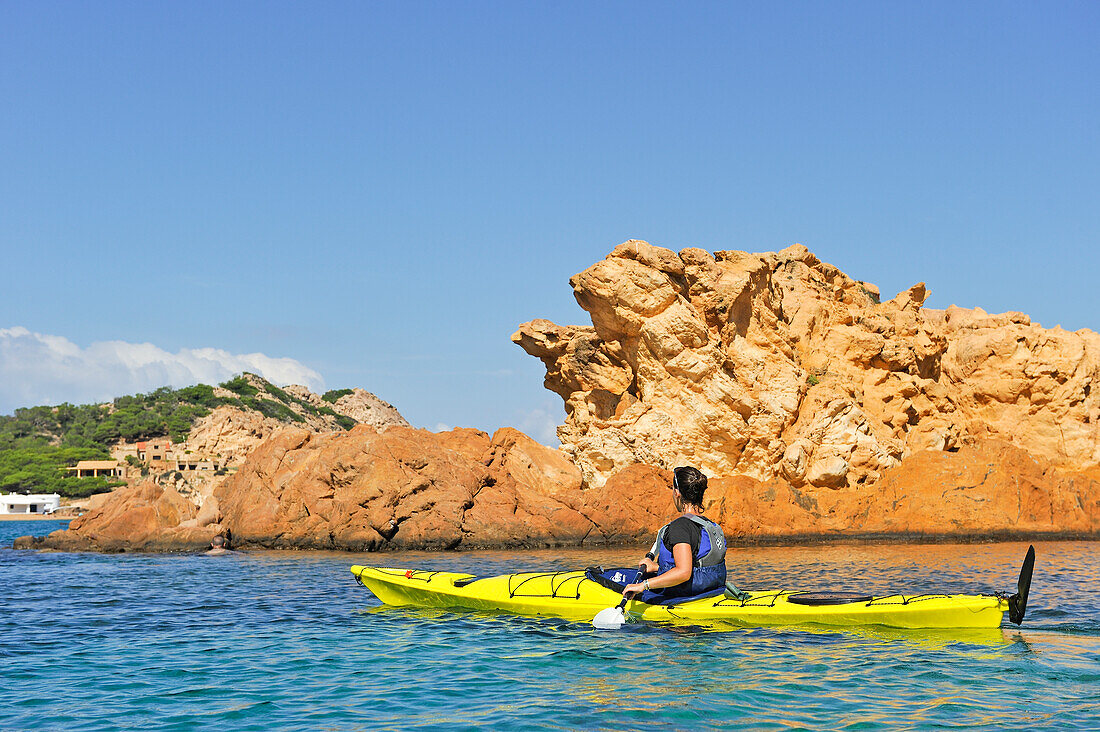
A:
{"points": [[283, 640]]}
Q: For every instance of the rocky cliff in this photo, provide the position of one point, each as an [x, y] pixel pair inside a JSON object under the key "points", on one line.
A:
{"points": [[232, 433], [819, 411], [780, 366], [410, 489], [401, 488]]}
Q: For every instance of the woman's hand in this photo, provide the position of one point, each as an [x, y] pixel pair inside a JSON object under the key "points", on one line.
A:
{"points": [[633, 589], [648, 565]]}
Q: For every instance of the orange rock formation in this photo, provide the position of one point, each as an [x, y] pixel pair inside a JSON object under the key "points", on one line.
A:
{"points": [[781, 366], [411, 489], [399, 489], [821, 413]]}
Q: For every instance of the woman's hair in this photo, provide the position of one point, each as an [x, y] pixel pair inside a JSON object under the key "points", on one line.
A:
{"points": [[691, 483]]}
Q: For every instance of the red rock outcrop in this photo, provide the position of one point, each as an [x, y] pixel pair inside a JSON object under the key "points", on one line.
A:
{"points": [[781, 366], [146, 517], [229, 434], [821, 412], [411, 489], [989, 489], [399, 489]]}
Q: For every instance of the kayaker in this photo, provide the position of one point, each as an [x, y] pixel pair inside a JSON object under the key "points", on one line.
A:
{"points": [[689, 556]]}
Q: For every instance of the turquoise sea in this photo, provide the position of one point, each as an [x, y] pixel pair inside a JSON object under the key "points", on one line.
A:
{"points": [[288, 641]]}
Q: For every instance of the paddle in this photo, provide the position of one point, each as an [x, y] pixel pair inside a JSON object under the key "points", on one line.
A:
{"points": [[1017, 604], [612, 618]]}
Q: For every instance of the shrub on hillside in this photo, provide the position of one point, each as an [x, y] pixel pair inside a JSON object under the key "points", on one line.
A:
{"points": [[240, 386], [334, 394]]}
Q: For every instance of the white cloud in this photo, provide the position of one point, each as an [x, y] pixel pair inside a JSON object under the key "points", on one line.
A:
{"points": [[46, 369]]}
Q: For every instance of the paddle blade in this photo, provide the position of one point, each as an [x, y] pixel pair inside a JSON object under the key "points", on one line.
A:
{"points": [[611, 618], [1017, 604]]}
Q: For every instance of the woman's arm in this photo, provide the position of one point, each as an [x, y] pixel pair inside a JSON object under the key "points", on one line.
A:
{"points": [[679, 574]]}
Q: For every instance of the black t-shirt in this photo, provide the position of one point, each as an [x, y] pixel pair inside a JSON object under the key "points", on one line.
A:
{"points": [[684, 531]]}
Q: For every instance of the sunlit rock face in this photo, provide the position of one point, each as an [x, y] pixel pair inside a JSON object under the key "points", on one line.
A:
{"points": [[986, 490], [778, 365], [366, 490], [410, 489], [818, 412]]}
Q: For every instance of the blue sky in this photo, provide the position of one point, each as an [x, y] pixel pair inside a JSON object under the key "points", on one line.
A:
{"points": [[382, 192]]}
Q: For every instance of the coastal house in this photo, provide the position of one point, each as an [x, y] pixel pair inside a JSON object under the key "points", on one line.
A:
{"points": [[17, 503], [153, 451], [161, 454], [189, 463], [98, 468]]}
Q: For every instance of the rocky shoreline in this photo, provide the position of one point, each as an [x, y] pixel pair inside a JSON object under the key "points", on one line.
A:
{"points": [[821, 414], [367, 490], [408, 489]]}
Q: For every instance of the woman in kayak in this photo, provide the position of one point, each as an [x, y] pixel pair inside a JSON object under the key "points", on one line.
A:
{"points": [[689, 556]]}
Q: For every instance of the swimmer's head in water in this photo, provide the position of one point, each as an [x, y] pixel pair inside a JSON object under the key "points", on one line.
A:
{"points": [[218, 542]]}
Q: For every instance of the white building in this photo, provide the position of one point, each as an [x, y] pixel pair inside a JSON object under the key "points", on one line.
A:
{"points": [[41, 503]]}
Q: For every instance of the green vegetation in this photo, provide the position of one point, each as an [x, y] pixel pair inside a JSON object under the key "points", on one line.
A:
{"points": [[284, 410], [812, 380], [281, 395], [239, 385], [288, 400], [136, 464], [334, 394], [97, 426], [38, 443], [272, 408], [41, 470]]}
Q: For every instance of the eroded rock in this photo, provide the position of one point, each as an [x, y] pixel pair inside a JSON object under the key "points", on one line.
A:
{"points": [[363, 490], [780, 366], [411, 489], [146, 517], [821, 413]]}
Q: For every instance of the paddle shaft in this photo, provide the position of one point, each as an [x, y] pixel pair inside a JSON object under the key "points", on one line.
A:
{"points": [[637, 576]]}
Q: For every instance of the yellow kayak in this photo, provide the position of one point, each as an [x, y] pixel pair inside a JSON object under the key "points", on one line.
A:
{"points": [[577, 595]]}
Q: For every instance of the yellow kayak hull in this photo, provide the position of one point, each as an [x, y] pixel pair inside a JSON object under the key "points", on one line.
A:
{"points": [[573, 596]]}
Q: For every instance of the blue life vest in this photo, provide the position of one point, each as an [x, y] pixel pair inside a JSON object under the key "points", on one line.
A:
{"points": [[708, 565]]}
